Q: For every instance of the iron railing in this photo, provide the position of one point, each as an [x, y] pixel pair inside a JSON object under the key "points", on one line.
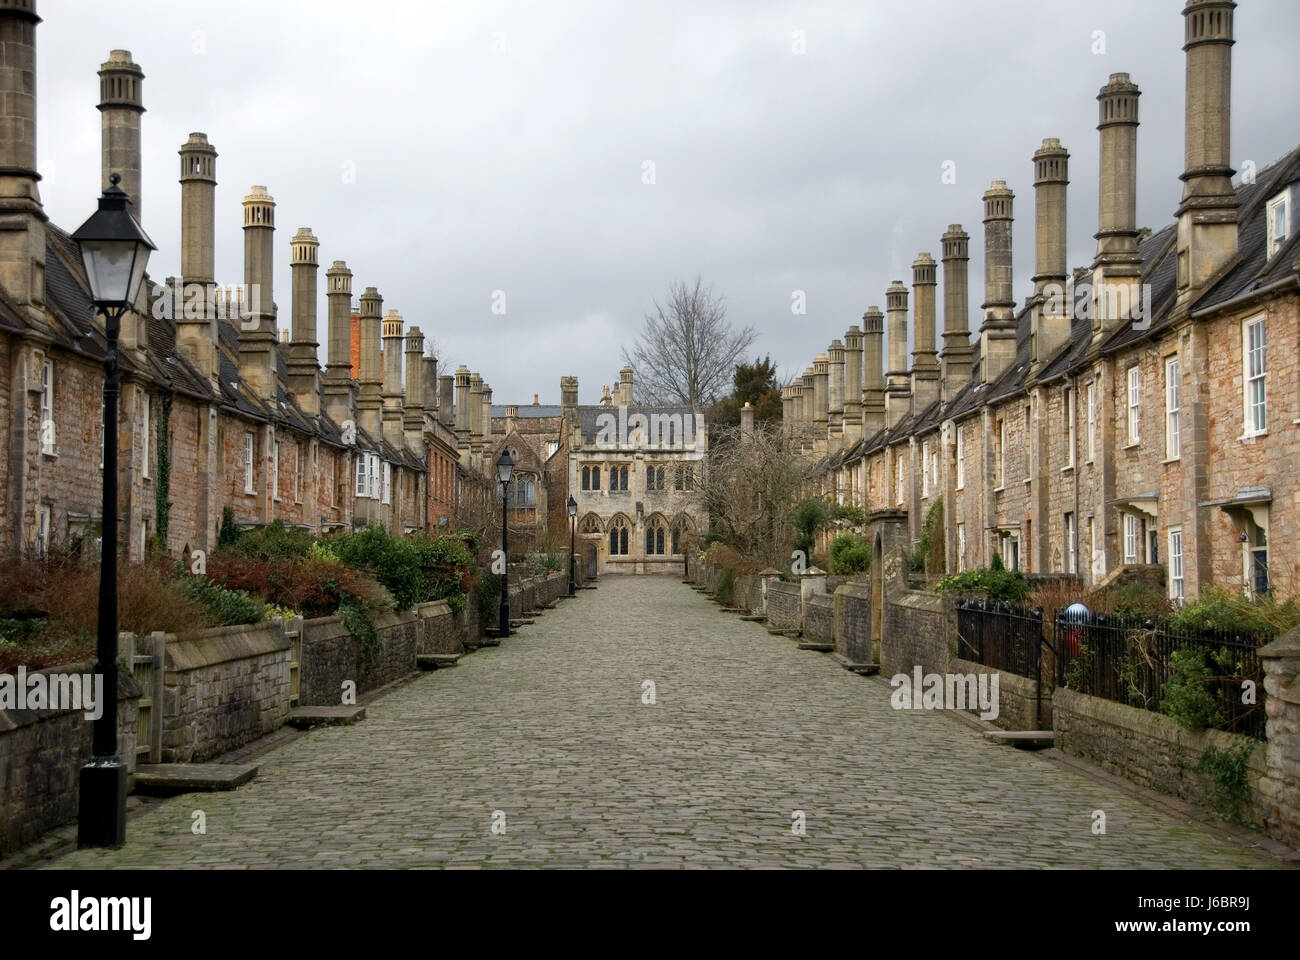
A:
{"points": [[1130, 661], [1005, 638]]}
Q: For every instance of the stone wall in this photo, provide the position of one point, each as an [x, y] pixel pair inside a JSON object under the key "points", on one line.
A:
{"points": [[1017, 698], [1279, 790], [819, 618], [853, 623], [41, 756], [223, 688], [784, 606], [439, 629], [917, 629], [331, 655], [1152, 750]]}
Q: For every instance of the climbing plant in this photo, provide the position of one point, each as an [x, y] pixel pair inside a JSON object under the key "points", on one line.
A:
{"points": [[162, 486]]}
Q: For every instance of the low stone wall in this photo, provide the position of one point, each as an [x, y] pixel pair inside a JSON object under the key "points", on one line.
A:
{"points": [[819, 618], [917, 629], [438, 631], [223, 688], [853, 623], [1017, 698], [784, 606], [1152, 750], [41, 756], [1279, 789], [330, 655]]}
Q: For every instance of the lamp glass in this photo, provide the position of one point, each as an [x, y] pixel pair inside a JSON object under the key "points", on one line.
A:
{"points": [[505, 467], [115, 269], [573, 507]]}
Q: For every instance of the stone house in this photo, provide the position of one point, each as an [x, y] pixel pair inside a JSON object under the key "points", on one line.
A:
{"points": [[1141, 410]]}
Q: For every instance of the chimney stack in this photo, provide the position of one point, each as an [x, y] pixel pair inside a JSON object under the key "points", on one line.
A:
{"points": [[446, 401], [392, 389], [925, 363], [625, 385], [302, 367], [22, 239], [873, 382], [369, 376], [257, 331], [821, 402], [121, 102], [1207, 216], [852, 384], [413, 404], [429, 383], [898, 392], [1117, 269], [462, 411], [956, 324], [486, 422], [196, 320], [475, 412], [998, 331], [1050, 329], [338, 365], [835, 392]]}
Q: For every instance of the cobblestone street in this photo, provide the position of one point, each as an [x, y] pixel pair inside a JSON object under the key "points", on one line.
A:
{"points": [[550, 730]]}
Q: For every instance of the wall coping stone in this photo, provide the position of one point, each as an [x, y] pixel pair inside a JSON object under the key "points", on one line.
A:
{"points": [[222, 644], [127, 689]]}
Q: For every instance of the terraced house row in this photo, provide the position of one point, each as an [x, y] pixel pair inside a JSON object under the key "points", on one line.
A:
{"points": [[220, 406], [1143, 410]]}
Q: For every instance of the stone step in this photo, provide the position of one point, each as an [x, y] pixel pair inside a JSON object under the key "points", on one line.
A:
{"points": [[863, 669], [818, 645], [167, 778], [436, 661], [735, 610], [304, 717], [754, 618], [1024, 739]]}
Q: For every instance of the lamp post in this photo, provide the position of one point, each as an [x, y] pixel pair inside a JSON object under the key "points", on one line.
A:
{"points": [[115, 250], [573, 523], [505, 471]]}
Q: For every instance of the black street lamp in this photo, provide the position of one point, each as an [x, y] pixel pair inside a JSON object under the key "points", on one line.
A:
{"points": [[505, 472], [573, 523], [115, 250]]}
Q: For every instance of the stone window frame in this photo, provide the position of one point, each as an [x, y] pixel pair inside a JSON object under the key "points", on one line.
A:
{"points": [[44, 529], [1173, 408], [619, 527], [1251, 424], [1000, 454], [361, 485], [1276, 240]]}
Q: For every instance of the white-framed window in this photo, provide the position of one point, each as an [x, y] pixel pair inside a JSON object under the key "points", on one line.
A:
{"points": [[1071, 545], [144, 435], [1173, 411], [1029, 418], [388, 482], [1279, 221], [249, 444], [1002, 452], [925, 468], [1069, 415], [1134, 402], [1092, 420], [1010, 550], [47, 407], [372, 471], [1176, 582], [44, 524], [299, 471], [898, 476], [362, 489], [1132, 538], [961, 547], [275, 470], [1253, 369], [961, 457]]}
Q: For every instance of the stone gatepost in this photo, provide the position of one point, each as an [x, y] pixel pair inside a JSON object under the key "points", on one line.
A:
{"points": [[811, 581], [765, 577], [1280, 786]]}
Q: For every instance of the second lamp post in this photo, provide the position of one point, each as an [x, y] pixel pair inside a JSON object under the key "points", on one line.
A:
{"points": [[573, 521], [505, 473]]}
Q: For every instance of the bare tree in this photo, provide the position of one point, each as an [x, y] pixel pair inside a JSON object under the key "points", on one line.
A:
{"points": [[687, 351], [751, 487]]}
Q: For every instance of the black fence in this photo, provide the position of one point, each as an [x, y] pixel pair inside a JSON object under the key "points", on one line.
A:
{"points": [[1005, 638], [1130, 661]]}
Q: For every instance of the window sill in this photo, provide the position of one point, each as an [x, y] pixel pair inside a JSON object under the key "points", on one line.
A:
{"points": [[999, 489], [1068, 468], [1168, 460], [1252, 437], [1132, 444], [54, 456]]}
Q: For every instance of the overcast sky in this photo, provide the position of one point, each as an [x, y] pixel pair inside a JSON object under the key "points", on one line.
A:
{"points": [[450, 150]]}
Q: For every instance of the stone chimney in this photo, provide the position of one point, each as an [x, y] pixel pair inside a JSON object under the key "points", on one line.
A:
{"points": [[852, 384], [1117, 269], [925, 363], [821, 399], [808, 402], [1207, 216], [196, 320], [475, 412], [257, 331], [569, 398], [998, 331], [413, 401], [512, 413], [873, 380], [898, 392], [446, 401], [486, 422], [338, 357], [462, 409], [956, 324], [302, 367], [369, 376], [429, 384], [747, 420], [121, 102], [392, 394], [625, 385], [835, 390], [22, 217], [1050, 321]]}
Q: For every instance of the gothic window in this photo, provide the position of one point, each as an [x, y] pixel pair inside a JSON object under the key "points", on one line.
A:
{"points": [[595, 478], [590, 524], [655, 535], [586, 478], [618, 532]]}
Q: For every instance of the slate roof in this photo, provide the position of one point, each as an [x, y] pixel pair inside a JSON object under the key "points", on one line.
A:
{"points": [[588, 416]]}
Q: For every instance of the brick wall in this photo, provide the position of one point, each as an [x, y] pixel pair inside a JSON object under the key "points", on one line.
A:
{"points": [[41, 756]]}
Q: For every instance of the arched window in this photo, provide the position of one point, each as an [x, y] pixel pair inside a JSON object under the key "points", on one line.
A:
{"points": [[676, 540], [595, 478], [590, 524], [586, 478], [622, 478], [618, 531], [659, 478], [655, 535]]}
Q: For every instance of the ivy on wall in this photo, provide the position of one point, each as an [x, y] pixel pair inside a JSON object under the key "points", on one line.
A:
{"points": [[162, 486]]}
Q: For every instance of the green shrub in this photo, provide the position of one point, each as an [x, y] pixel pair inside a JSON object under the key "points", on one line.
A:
{"points": [[357, 620], [1230, 769], [488, 594], [1219, 609], [229, 531], [1190, 691], [932, 550], [850, 553], [808, 518], [726, 583], [230, 607], [414, 569], [996, 583]]}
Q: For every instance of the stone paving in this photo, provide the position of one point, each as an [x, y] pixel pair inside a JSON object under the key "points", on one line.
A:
{"points": [[550, 730]]}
